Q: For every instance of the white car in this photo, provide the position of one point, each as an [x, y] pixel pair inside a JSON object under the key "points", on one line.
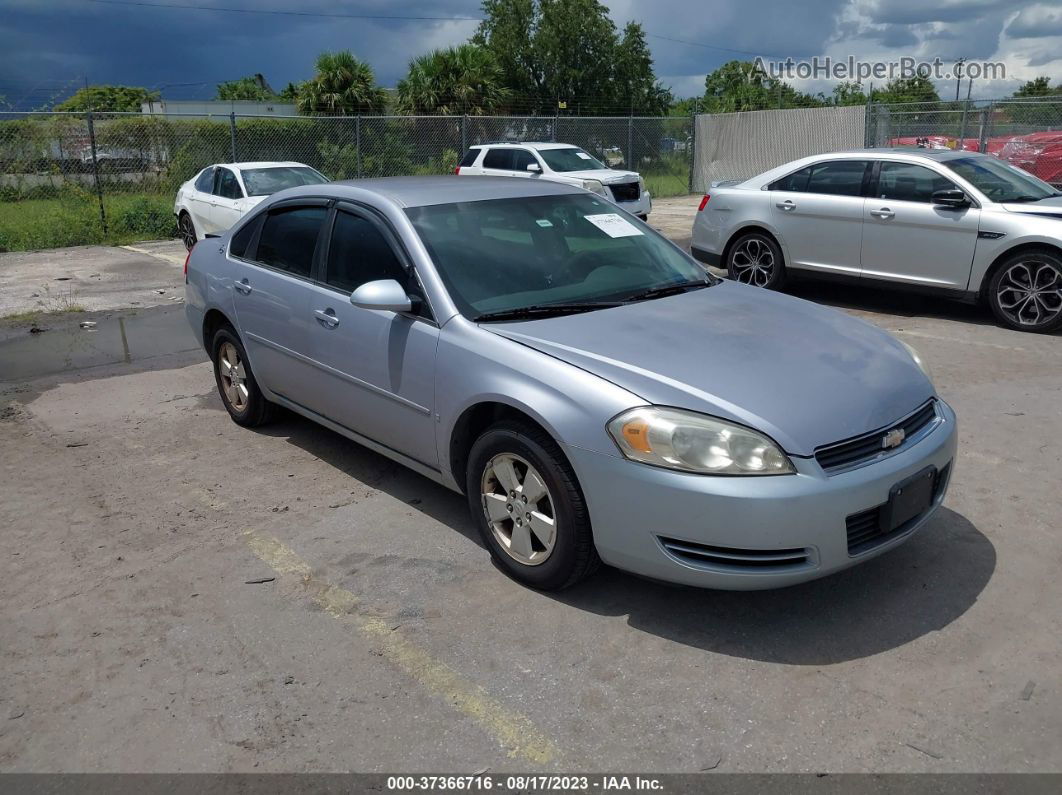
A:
{"points": [[562, 163], [219, 195]]}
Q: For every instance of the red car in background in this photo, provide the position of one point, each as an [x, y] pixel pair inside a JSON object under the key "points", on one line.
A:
{"points": [[1038, 153]]}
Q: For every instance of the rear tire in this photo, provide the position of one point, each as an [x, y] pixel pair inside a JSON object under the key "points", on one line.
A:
{"points": [[239, 390], [755, 259], [1025, 292], [545, 541], [187, 230]]}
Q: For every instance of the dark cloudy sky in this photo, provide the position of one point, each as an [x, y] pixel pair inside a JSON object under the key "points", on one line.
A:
{"points": [[46, 45]]}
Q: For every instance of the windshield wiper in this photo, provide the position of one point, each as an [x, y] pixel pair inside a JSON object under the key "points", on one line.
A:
{"points": [[665, 290], [545, 310], [1017, 199]]}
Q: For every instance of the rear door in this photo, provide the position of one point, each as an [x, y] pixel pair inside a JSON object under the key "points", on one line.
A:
{"points": [[273, 292], [819, 212], [227, 201], [907, 238], [498, 162], [377, 367]]}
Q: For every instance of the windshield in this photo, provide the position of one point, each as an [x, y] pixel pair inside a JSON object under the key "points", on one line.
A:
{"points": [[507, 254], [1000, 181], [571, 159], [264, 181]]}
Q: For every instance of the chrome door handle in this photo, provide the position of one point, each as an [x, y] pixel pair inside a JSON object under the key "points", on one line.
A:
{"points": [[242, 286], [326, 316], [884, 212], [786, 205]]}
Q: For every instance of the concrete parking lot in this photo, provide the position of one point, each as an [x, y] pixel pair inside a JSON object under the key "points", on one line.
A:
{"points": [[181, 594]]}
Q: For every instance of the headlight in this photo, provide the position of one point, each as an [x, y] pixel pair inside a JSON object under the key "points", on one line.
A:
{"points": [[593, 185], [692, 442], [918, 360]]}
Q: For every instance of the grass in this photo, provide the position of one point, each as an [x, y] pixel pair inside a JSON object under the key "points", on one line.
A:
{"points": [[663, 185], [32, 316], [74, 220]]}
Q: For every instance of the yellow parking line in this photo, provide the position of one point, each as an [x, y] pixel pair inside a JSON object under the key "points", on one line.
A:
{"points": [[512, 730], [156, 254]]}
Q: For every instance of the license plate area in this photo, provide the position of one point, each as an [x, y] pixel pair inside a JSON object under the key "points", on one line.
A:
{"points": [[907, 499]]}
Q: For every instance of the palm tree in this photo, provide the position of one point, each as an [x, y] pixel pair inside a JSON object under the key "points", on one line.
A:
{"points": [[343, 86], [457, 80]]}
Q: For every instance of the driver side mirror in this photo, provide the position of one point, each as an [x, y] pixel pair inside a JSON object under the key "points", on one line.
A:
{"points": [[535, 167], [382, 294], [953, 197]]}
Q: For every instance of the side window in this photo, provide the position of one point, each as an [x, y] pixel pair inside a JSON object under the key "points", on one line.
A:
{"points": [[242, 239], [360, 253], [499, 158], [797, 181], [204, 183], [522, 159], [838, 178], [226, 186], [469, 158], [289, 237], [910, 183]]}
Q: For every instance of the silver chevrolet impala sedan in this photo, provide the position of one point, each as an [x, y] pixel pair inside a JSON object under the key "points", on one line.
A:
{"points": [[596, 394]]}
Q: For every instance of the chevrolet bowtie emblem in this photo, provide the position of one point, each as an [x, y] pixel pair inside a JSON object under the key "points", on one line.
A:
{"points": [[893, 438]]}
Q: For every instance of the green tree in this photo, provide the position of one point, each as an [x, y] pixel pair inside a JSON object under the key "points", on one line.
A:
{"points": [[1038, 87], [106, 98], [507, 32], [253, 87], [908, 89], [290, 93], [741, 85], [849, 93], [342, 85], [464, 79], [636, 87]]}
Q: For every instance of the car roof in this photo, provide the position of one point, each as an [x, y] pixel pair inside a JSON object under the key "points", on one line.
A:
{"points": [[904, 151], [531, 144], [261, 164], [428, 190]]}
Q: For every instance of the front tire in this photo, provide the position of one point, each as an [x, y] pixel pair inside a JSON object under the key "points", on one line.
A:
{"points": [[755, 259], [239, 390], [530, 511], [1025, 293], [187, 230]]}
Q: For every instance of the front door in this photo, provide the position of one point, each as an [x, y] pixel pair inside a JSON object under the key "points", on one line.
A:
{"points": [[378, 366], [818, 212], [227, 200], [273, 293], [907, 238]]}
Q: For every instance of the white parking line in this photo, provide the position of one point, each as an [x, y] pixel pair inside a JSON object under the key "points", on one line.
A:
{"points": [[156, 254], [959, 341]]}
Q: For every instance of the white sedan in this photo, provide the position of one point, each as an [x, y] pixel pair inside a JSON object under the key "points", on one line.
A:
{"points": [[219, 195]]}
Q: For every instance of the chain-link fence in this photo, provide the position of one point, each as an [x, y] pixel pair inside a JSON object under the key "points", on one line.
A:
{"points": [[1025, 132], [68, 179]]}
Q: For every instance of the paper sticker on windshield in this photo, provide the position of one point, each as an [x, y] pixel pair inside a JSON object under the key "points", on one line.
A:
{"points": [[583, 155], [614, 225], [544, 223]]}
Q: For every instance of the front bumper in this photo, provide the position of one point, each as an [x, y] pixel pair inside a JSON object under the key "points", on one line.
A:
{"points": [[643, 205], [633, 506]]}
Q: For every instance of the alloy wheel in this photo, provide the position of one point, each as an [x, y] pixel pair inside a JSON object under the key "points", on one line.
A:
{"points": [[753, 263], [233, 376], [187, 231], [1030, 293], [519, 509]]}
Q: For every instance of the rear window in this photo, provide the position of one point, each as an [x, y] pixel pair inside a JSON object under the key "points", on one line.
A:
{"points": [[499, 158], [470, 157], [289, 238], [264, 181]]}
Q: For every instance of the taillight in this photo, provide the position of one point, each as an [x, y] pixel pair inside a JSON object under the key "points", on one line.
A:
{"points": [[187, 257], [457, 170], [704, 202]]}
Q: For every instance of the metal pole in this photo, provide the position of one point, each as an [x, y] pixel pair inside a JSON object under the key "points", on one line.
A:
{"points": [[96, 171], [691, 146], [464, 134], [232, 133], [986, 123], [357, 140], [630, 142]]}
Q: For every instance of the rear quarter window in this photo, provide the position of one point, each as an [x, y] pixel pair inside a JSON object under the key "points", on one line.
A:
{"points": [[470, 157]]}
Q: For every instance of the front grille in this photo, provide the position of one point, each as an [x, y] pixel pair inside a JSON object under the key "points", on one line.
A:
{"points": [[735, 559], [864, 528], [626, 191], [869, 446]]}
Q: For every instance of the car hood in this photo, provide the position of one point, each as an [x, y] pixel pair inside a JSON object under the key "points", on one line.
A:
{"points": [[604, 175], [803, 374]]}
